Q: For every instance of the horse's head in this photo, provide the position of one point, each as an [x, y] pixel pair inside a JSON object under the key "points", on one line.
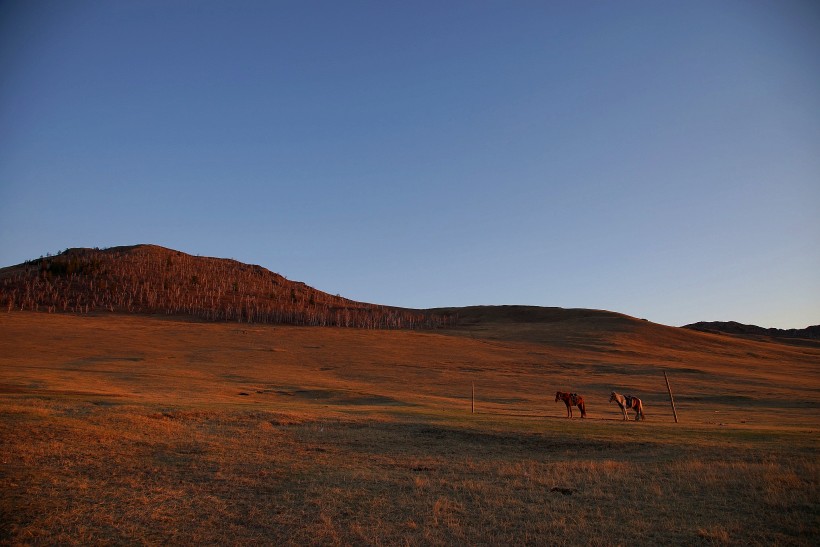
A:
{"points": [[613, 397], [557, 396]]}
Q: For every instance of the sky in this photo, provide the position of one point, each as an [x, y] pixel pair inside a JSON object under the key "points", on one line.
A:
{"points": [[655, 158]]}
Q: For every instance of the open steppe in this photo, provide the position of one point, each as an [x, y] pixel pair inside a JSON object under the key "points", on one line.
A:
{"points": [[132, 429]]}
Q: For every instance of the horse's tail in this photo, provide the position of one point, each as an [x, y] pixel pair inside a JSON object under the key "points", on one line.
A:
{"points": [[582, 407], [640, 409]]}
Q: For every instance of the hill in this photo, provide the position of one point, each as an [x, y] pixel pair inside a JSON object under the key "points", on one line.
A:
{"points": [[150, 279], [128, 428], [733, 327]]}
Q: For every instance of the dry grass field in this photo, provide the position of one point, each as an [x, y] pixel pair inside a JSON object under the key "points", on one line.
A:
{"points": [[139, 430]]}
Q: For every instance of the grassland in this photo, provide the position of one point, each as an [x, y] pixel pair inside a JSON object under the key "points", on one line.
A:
{"points": [[125, 429]]}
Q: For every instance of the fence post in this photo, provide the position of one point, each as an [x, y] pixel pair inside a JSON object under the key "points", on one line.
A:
{"points": [[472, 401], [671, 399]]}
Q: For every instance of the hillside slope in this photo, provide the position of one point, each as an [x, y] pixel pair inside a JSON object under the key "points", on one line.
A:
{"points": [[733, 327], [583, 340], [155, 280], [137, 429]]}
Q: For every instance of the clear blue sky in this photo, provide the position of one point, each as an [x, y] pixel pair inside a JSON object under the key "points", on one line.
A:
{"points": [[658, 158]]}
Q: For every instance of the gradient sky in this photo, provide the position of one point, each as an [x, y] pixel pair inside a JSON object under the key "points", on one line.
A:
{"points": [[658, 158]]}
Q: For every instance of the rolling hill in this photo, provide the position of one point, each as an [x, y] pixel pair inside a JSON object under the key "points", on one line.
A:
{"points": [[154, 280], [733, 327], [149, 279], [132, 423]]}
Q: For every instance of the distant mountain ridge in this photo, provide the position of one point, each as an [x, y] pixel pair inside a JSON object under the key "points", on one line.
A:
{"points": [[733, 327], [155, 280]]}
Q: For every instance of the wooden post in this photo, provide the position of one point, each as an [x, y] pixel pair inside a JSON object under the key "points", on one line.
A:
{"points": [[472, 401], [672, 399]]}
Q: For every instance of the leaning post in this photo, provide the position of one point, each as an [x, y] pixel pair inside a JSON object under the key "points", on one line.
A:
{"points": [[671, 399]]}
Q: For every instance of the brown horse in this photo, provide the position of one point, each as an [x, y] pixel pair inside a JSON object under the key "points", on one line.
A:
{"points": [[571, 399], [626, 403]]}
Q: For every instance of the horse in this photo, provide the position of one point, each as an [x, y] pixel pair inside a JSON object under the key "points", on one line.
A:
{"points": [[628, 402], [572, 399]]}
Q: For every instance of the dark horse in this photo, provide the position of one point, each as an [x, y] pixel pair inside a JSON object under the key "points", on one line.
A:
{"points": [[571, 399], [628, 402]]}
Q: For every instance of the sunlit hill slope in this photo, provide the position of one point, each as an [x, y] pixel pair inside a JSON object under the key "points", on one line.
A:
{"points": [[150, 279]]}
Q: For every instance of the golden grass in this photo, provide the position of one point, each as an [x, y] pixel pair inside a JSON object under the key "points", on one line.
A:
{"points": [[134, 430]]}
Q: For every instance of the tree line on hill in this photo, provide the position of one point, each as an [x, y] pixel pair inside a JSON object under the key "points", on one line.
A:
{"points": [[154, 280]]}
